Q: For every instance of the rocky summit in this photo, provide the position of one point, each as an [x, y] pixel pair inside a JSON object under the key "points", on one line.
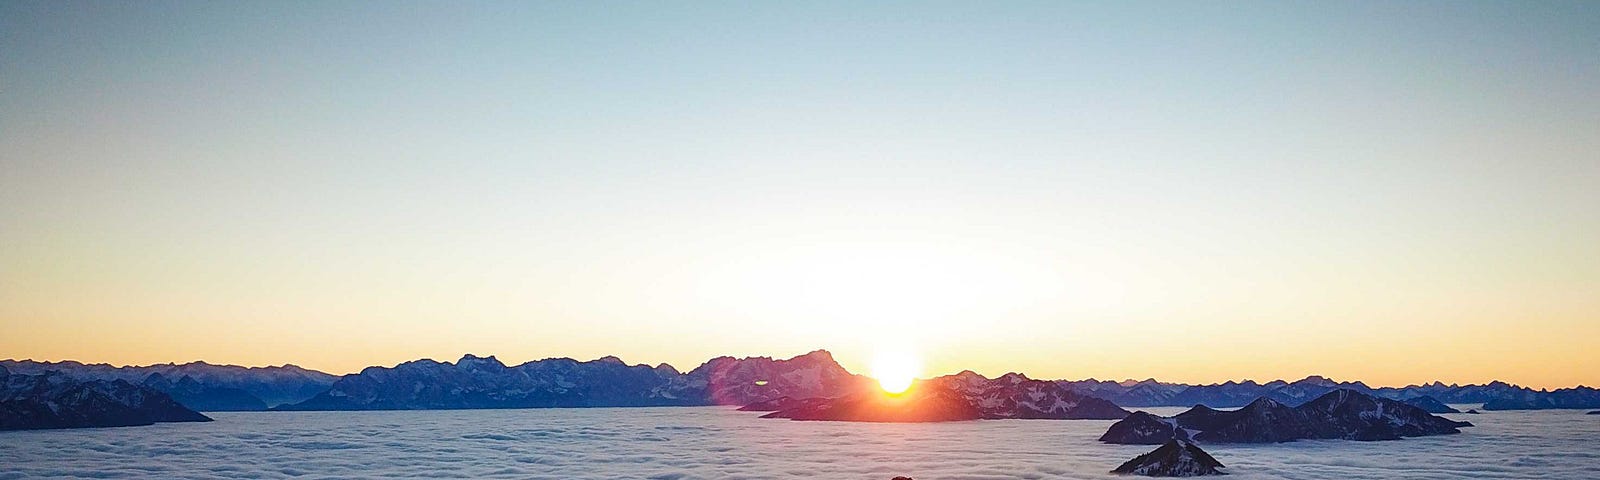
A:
{"points": [[1174, 458], [1340, 414], [1143, 428]]}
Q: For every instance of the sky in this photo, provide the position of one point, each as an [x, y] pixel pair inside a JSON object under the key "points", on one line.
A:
{"points": [[1394, 192]]}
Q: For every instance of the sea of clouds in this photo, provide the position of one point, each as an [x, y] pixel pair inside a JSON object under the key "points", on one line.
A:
{"points": [[720, 443]]}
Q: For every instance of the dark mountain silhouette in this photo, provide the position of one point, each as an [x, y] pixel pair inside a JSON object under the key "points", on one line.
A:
{"points": [[1453, 393], [1144, 428], [1430, 405], [54, 400], [1128, 393], [1501, 395], [206, 398], [720, 381], [1340, 414], [215, 387], [1174, 458], [1262, 421], [810, 381], [1579, 397], [485, 382]]}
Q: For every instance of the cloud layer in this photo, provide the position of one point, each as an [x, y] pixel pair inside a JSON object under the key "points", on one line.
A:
{"points": [[719, 443]]}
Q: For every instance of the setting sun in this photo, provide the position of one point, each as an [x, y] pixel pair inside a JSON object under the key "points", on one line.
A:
{"points": [[895, 369]]}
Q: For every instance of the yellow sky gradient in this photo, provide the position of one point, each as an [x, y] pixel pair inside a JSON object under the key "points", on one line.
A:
{"points": [[963, 307], [1190, 192]]}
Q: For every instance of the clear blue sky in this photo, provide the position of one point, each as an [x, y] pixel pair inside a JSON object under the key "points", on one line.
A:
{"points": [[1392, 191]]}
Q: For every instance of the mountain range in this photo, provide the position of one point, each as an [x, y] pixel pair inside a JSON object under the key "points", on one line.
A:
{"points": [[485, 382], [1339, 414], [55, 400], [1494, 395], [199, 385]]}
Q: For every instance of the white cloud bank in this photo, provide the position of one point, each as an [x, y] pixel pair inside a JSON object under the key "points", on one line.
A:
{"points": [[719, 443]]}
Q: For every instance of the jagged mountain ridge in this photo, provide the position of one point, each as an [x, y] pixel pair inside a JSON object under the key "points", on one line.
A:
{"points": [[1495, 395], [1580, 397], [218, 387], [1339, 414], [1014, 395], [1430, 405], [55, 400], [485, 382], [206, 398], [213, 387]]}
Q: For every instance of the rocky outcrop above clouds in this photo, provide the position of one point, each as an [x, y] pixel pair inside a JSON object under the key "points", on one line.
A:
{"points": [[1430, 405], [1174, 458], [1143, 428], [1501, 395]]}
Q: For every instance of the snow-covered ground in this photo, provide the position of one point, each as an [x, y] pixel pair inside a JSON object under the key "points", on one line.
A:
{"points": [[718, 443]]}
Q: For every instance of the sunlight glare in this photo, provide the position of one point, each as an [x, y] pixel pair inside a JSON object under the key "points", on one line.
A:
{"points": [[895, 369]]}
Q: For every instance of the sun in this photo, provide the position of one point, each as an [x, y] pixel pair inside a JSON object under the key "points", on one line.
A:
{"points": [[895, 369]]}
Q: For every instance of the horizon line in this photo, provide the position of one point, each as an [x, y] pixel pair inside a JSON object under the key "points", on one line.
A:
{"points": [[823, 350]]}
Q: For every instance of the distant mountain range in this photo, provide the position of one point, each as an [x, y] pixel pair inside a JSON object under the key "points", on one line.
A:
{"points": [[485, 382], [1495, 395], [199, 385], [1338, 414]]}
